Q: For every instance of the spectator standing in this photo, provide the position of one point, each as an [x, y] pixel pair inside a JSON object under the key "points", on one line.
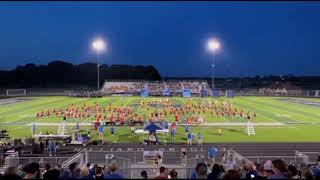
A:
{"points": [[98, 173], [32, 171], [11, 173], [144, 174], [172, 133], [215, 172], [189, 138], [199, 139], [201, 171], [112, 131], [113, 172], [212, 154], [163, 173], [279, 169], [292, 172], [173, 174]]}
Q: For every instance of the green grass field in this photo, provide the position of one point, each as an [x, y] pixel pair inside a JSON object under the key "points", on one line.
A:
{"points": [[14, 117]]}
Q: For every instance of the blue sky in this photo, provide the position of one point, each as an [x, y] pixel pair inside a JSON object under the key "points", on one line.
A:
{"points": [[257, 37]]}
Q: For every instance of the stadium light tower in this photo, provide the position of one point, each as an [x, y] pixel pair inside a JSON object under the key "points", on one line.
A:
{"points": [[99, 46], [213, 46]]}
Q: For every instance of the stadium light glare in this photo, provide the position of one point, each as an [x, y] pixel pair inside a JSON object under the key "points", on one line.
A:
{"points": [[213, 45], [98, 45]]}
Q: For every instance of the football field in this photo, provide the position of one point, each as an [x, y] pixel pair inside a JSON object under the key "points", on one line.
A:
{"points": [[278, 119]]}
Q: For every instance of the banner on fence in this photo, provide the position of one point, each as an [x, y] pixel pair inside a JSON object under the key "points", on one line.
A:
{"points": [[165, 92], [186, 93], [144, 93], [152, 156]]}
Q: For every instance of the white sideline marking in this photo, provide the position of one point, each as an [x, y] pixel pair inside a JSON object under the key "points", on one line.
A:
{"points": [[27, 115], [283, 115]]}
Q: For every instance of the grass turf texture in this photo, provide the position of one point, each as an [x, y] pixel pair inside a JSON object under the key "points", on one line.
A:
{"points": [[268, 109]]}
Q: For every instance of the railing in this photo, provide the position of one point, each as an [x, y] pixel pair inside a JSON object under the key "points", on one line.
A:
{"points": [[80, 158], [309, 157], [260, 159], [15, 161], [236, 158]]}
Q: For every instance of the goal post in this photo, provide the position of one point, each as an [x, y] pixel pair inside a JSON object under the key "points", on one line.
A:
{"points": [[16, 92], [317, 94]]}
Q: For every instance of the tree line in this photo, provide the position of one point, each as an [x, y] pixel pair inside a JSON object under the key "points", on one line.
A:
{"points": [[60, 74]]}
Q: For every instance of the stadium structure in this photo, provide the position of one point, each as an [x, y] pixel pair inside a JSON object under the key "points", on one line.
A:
{"points": [[116, 124]]}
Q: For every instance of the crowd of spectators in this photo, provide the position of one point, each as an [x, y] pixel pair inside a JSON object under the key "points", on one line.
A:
{"points": [[85, 94], [276, 169], [173, 86]]}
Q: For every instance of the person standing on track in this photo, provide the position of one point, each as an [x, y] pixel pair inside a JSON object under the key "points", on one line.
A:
{"points": [[189, 138], [33, 128], [112, 131], [101, 131], [172, 133], [212, 154], [199, 139]]}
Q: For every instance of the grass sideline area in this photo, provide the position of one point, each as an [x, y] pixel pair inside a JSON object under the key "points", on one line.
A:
{"points": [[300, 120]]}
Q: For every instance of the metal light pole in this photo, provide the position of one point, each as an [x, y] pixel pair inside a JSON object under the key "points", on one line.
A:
{"points": [[98, 71], [213, 46], [213, 66], [98, 45]]}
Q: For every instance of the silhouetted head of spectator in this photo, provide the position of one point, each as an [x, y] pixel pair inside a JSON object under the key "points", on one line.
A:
{"points": [[201, 171], [232, 174], [279, 166], [84, 172], [73, 166], [292, 171], [32, 171], [144, 174], [216, 169], [113, 167], [88, 165], [173, 174], [98, 171], [47, 167]]}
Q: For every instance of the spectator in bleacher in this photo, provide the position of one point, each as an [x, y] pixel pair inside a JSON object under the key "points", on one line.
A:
{"points": [[232, 174], [201, 171], [11, 173], [306, 173], [113, 172], [292, 172], [98, 173], [279, 169], [20, 171], [32, 171], [250, 170], [215, 172], [64, 174], [51, 173], [92, 169], [47, 167], [267, 168], [84, 172], [163, 174], [173, 174], [144, 174]]}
